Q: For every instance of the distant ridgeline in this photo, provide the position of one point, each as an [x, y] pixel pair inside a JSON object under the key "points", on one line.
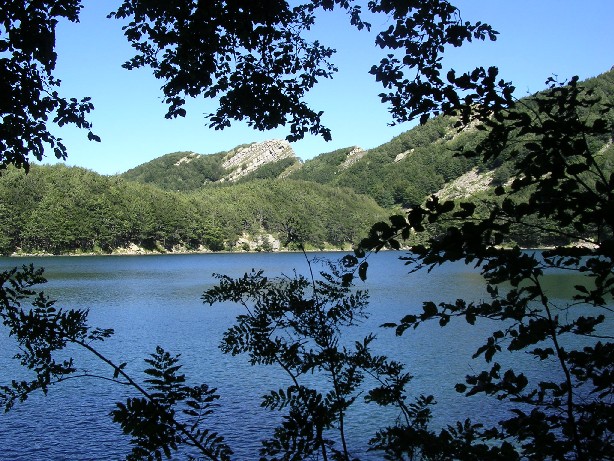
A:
{"points": [[253, 197]]}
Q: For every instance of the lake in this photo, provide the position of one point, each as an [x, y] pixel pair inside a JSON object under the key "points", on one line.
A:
{"points": [[155, 300]]}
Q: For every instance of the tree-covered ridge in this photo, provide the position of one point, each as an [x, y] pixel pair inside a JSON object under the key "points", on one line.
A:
{"points": [[402, 172], [421, 161], [59, 209], [405, 170], [189, 171], [178, 200], [179, 171]]}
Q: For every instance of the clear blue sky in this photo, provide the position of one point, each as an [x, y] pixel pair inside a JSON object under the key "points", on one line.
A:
{"points": [[538, 38]]}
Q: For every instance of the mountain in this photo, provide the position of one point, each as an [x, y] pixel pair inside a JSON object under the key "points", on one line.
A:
{"points": [[255, 196], [401, 172], [185, 171]]}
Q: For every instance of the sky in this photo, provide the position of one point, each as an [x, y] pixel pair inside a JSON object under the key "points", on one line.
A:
{"points": [[538, 39]]}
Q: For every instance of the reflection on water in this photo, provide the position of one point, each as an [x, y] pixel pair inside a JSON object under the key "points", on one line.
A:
{"points": [[155, 300]]}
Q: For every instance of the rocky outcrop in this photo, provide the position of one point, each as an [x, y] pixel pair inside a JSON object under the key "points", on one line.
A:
{"points": [[246, 159], [466, 185], [187, 159], [263, 242], [352, 157], [402, 155]]}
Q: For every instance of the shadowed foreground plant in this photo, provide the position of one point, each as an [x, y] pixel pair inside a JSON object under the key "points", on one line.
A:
{"points": [[167, 415], [300, 324], [296, 324], [559, 148]]}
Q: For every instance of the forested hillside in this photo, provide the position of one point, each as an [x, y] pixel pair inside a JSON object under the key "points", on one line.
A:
{"points": [[256, 195], [179, 171], [421, 161], [402, 172], [188, 171], [59, 209]]}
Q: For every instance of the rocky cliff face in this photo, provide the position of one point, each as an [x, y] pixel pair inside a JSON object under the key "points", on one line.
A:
{"points": [[244, 160], [466, 185], [353, 156]]}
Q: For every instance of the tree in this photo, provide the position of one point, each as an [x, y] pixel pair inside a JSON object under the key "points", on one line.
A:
{"points": [[29, 89], [297, 323], [167, 413], [562, 187], [252, 55]]}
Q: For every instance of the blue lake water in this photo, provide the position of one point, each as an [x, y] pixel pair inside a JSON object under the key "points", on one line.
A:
{"points": [[155, 300]]}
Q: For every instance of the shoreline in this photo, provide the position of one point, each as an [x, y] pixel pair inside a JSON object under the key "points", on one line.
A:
{"points": [[140, 251], [144, 252], [201, 252]]}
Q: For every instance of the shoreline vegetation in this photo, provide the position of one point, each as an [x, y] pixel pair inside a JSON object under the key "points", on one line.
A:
{"points": [[135, 250]]}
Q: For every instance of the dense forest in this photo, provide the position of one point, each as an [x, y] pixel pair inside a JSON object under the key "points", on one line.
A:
{"points": [[403, 171], [59, 209], [183, 201]]}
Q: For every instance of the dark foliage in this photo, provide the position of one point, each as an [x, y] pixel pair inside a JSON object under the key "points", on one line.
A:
{"points": [[29, 95], [562, 186], [299, 324], [167, 413], [253, 56]]}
